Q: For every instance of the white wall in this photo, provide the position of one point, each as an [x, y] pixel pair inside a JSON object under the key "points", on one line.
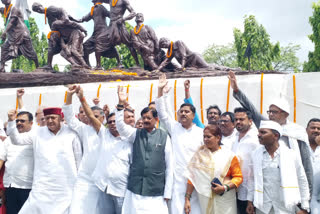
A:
{"points": [[214, 92]]}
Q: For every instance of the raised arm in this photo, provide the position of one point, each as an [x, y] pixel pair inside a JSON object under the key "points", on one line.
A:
{"points": [[244, 101], [17, 138], [124, 130], [20, 93], [188, 99], [132, 14]]}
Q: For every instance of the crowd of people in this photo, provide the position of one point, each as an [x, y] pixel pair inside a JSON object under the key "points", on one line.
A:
{"points": [[102, 160]]}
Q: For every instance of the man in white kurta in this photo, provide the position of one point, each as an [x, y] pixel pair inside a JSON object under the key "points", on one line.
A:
{"points": [[229, 133], [57, 153], [86, 195], [185, 142], [279, 183]]}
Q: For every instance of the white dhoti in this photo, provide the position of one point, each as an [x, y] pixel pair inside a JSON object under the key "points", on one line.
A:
{"points": [[86, 198], [138, 204]]}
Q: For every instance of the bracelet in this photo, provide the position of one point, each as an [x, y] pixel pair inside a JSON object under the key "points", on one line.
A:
{"points": [[187, 89], [228, 187], [82, 99], [188, 196], [225, 188]]}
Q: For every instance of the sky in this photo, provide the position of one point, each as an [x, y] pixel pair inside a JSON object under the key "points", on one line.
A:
{"points": [[205, 22]]}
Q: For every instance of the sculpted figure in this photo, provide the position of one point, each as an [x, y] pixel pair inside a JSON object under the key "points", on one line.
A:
{"points": [[145, 41], [182, 54], [65, 36], [117, 32], [97, 42], [16, 36]]}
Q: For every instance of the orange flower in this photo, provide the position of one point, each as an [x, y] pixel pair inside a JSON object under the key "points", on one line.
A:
{"points": [[135, 28], [114, 3], [6, 11], [49, 34], [171, 46], [92, 8]]}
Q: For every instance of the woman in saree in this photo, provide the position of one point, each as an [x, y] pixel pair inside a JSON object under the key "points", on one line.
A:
{"points": [[211, 165]]}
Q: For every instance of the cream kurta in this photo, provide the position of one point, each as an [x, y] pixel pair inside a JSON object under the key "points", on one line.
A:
{"points": [[184, 144], [85, 190], [55, 170]]}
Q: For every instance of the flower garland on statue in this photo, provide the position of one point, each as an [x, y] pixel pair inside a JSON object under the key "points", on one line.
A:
{"points": [[135, 28], [114, 3], [171, 47], [6, 11], [92, 8]]}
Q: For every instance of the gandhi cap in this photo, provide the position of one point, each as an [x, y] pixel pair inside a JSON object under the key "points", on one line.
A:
{"points": [[52, 110], [269, 124]]}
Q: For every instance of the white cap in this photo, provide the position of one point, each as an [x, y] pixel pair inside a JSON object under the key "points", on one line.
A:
{"points": [[282, 104], [269, 124]]}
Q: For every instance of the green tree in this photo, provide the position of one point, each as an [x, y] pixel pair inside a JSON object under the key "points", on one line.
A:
{"points": [[263, 52], [125, 55], [313, 63], [288, 61], [225, 55], [39, 44]]}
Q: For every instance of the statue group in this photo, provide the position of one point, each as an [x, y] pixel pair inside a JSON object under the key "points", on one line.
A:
{"points": [[67, 35]]}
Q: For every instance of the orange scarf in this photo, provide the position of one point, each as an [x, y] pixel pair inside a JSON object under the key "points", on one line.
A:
{"points": [[49, 34], [169, 55], [135, 28], [6, 11], [45, 15], [92, 8], [114, 3]]}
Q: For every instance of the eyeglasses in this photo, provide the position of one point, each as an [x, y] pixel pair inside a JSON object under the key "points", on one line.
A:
{"points": [[224, 121], [111, 121], [21, 121], [273, 112]]}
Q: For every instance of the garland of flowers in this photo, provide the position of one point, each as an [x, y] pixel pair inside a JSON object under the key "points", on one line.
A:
{"points": [[138, 30], [171, 46], [114, 3], [49, 34], [6, 11], [92, 8]]}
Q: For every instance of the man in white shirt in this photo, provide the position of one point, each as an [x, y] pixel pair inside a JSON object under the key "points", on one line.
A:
{"points": [[313, 130], [151, 171], [57, 155], [226, 125], [18, 161], [186, 139], [279, 183], [246, 142], [85, 189]]}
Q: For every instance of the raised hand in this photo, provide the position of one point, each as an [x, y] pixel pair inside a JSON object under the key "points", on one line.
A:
{"points": [[166, 89], [72, 89], [79, 92], [122, 95], [96, 101], [20, 92], [12, 115], [187, 84], [233, 81], [162, 81]]}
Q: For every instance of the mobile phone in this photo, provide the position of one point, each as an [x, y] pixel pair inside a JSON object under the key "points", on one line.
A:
{"points": [[215, 181]]}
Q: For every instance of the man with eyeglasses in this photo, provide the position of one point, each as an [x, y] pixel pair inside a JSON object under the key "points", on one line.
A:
{"points": [[18, 162], [226, 125], [293, 135], [57, 155], [85, 188]]}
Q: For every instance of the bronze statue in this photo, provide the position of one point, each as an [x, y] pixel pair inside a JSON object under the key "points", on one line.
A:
{"points": [[117, 32], [145, 41], [97, 42], [18, 36], [182, 54], [65, 36]]}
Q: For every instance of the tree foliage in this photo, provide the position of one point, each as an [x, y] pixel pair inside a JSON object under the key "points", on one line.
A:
{"points": [[288, 61], [225, 55], [263, 51], [125, 55], [313, 63], [39, 44]]}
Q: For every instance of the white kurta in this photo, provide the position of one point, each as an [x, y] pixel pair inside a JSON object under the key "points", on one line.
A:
{"points": [[55, 170], [138, 204], [85, 190], [228, 141], [243, 149], [315, 198], [185, 142]]}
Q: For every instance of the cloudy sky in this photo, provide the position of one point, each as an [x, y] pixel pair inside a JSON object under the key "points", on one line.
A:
{"points": [[203, 22]]}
